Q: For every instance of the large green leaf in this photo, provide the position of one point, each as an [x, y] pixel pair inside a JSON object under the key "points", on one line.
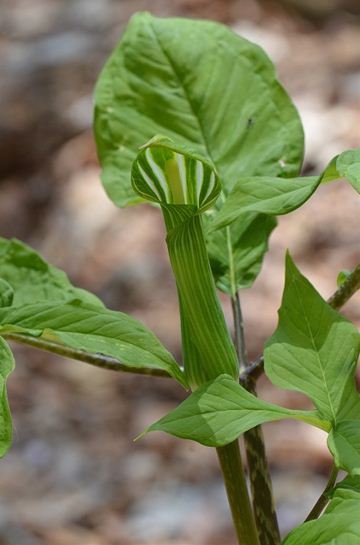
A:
{"points": [[236, 253], [277, 196], [266, 195], [206, 87], [33, 279], [94, 329], [221, 410], [202, 85], [7, 365], [344, 444], [339, 525], [314, 350]]}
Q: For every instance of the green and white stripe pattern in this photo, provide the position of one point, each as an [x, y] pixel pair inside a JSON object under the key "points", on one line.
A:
{"points": [[168, 174], [184, 185]]}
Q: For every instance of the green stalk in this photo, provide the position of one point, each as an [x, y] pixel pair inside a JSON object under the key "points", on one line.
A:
{"points": [[324, 498], [347, 290], [237, 493]]}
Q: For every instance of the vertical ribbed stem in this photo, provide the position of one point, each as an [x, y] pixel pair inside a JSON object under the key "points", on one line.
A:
{"points": [[237, 493]]}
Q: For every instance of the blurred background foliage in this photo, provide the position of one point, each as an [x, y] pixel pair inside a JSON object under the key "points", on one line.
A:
{"points": [[73, 475]]}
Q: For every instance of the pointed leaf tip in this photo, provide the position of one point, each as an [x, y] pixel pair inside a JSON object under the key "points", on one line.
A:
{"points": [[314, 349]]}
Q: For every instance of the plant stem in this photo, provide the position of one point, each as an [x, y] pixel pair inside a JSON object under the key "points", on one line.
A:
{"points": [[239, 332], [254, 370], [259, 473], [349, 287], [98, 360], [260, 481], [237, 493], [323, 500]]}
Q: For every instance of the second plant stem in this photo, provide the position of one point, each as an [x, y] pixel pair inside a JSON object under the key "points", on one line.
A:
{"points": [[259, 473]]}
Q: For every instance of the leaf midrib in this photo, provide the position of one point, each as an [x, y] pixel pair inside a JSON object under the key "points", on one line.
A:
{"points": [[185, 91], [312, 340], [201, 131]]}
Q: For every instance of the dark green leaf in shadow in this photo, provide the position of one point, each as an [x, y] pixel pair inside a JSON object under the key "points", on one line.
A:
{"points": [[236, 257]]}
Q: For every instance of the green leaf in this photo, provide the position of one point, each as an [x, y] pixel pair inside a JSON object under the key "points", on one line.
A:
{"points": [[185, 186], [342, 277], [265, 195], [348, 166], [348, 488], [236, 256], [7, 365], [202, 85], [314, 350], [339, 525], [344, 444], [277, 196], [6, 294], [94, 329], [221, 410], [32, 279]]}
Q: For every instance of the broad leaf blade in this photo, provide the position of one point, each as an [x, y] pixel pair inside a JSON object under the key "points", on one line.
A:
{"points": [[265, 195], [276, 196], [7, 365], [236, 257], [221, 410], [205, 87], [314, 350], [94, 329], [33, 279], [344, 444], [202, 85]]}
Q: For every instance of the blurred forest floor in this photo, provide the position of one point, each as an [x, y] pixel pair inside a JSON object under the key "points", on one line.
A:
{"points": [[74, 476]]}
